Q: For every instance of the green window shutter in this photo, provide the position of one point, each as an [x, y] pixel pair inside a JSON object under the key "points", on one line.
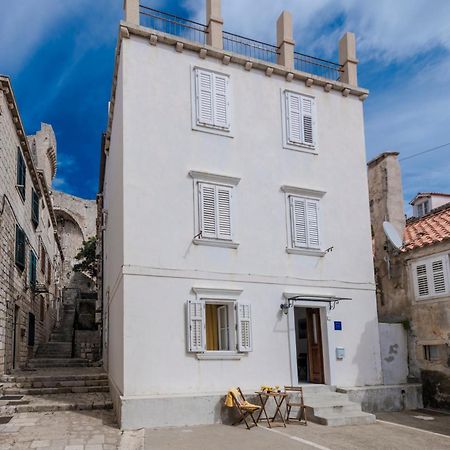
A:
{"points": [[32, 268], [34, 208], [20, 248], [21, 173]]}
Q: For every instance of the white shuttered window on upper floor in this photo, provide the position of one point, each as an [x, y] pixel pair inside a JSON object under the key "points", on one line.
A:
{"points": [[431, 277], [300, 120], [305, 231], [215, 211], [212, 98]]}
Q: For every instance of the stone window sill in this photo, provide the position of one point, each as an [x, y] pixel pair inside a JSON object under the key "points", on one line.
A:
{"points": [[215, 243], [219, 356], [305, 251]]}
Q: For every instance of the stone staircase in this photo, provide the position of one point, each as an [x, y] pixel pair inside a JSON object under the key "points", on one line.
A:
{"points": [[326, 406], [57, 352]]}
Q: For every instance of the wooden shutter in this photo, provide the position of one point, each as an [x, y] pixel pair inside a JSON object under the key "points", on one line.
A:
{"points": [[32, 268], [312, 214], [205, 97], [440, 276], [224, 212], [244, 328], [298, 222], [34, 207], [196, 326], [20, 247], [422, 287], [207, 210], [293, 116], [308, 120], [221, 101]]}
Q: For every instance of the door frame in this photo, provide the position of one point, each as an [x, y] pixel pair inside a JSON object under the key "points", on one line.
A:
{"points": [[326, 328]]}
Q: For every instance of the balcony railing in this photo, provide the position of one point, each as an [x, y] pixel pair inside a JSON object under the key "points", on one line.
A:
{"points": [[249, 47], [317, 66], [197, 32], [170, 24]]}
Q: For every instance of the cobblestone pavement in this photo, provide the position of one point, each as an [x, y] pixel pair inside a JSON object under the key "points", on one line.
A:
{"points": [[65, 430]]}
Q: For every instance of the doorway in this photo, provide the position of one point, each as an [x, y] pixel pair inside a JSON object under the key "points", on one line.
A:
{"points": [[308, 345], [16, 337]]}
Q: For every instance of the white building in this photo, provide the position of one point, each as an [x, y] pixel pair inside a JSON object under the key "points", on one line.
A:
{"points": [[233, 181]]}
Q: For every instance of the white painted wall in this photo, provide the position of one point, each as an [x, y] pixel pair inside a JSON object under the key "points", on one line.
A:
{"points": [[161, 264], [394, 353]]}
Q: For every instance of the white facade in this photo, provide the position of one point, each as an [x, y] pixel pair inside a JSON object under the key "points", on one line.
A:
{"points": [[155, 261]]}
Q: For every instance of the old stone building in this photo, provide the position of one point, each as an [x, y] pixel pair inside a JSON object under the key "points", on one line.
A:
{"points": [[30, 250], [413, 283]]}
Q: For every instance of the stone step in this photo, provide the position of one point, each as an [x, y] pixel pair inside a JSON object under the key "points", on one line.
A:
{"points": [[57, 362], [51, 382], [56, 402], [55, 390], [339, 420], [42, 378]]}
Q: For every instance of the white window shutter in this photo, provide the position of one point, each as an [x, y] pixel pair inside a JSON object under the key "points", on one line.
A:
{"points": [[422, 287], [308, 120], [207, 210], [224, 212], [196, 326], [205, 97], [312, 214], [440, 276], [298, 222], [244, 327], [293, 117], [221, 101]]}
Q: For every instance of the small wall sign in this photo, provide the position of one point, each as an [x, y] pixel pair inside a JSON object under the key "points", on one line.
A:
{"points": [[338, 325]]}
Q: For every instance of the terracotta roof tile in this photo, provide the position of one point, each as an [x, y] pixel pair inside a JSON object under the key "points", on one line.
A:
{"points": [[429, 229]]}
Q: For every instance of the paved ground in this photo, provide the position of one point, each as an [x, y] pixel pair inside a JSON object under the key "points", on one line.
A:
{"points": [[380, 436], [97, 430]]}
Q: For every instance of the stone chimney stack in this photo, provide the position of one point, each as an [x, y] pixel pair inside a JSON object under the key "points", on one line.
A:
{"points": [[347, 58], [285, 40], [131, 8], [386, 193], [215, 24]]}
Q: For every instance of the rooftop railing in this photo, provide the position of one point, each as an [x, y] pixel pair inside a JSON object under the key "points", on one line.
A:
{"points": [[251, 48], [170, 24], [317, 66]]}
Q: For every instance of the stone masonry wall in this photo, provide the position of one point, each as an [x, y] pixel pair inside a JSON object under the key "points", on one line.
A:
{"points": [[87, 344], [17, 299]]}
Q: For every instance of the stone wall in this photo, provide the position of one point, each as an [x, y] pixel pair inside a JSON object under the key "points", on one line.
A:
{"points": [[87, 345], [19, 303]]}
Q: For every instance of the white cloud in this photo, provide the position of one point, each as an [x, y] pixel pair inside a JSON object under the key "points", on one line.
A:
{"points": [[59, 183]]}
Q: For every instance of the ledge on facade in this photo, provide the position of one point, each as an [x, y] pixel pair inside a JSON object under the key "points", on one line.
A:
{"points": [[294, 190], [206, 50], [217, 356], [216, 178], [305, 251], [215, 243]]}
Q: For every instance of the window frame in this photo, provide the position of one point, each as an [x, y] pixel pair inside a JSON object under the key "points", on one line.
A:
{"points": [[307, 195], [20, 262], [303, 146], [21, 175], [220, 296], [427, 353], [428, 263], [211, 128], [35, 201], [206, 178], [32, 274]]}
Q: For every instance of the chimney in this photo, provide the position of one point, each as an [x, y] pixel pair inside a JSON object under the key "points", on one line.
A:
{"points": [[385, 194], [131, 8]]}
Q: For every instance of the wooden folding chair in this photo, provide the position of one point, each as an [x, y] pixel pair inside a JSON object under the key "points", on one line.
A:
{"points": [[245, 409], [295, 400]]}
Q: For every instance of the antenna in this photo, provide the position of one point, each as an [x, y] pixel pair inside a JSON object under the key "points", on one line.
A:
{"points": [[392, 235]]}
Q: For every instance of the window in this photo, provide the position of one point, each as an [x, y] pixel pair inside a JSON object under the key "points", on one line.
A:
{"points": [[218, 325], [431, 352], [43, 259], [431, 277], [34, 208], [31, 329], [214, 209], [32, 269], [21, 174], [212, 100], [299, 121], [20, 248], [41, 308], [49, 271]]}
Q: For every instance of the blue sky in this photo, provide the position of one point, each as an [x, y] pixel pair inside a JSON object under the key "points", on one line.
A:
{"points": [[60, 56]]}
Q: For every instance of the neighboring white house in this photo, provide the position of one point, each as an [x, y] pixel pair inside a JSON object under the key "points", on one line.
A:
{"points": [[424, 202], [236, 230]]}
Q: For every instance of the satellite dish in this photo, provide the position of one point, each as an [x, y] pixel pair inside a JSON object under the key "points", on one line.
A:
{"points": [[392, 235]]}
